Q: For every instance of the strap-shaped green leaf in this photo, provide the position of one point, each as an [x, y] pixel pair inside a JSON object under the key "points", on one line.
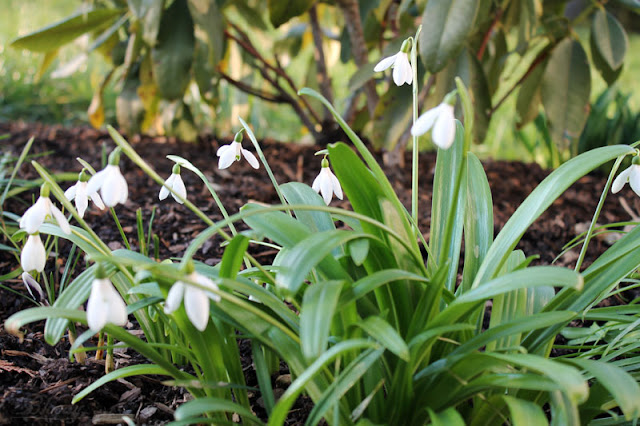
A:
{"points": [[197, 407], [386, 335], [120, 373], [301, 194], [318, 307], [525, 413], [538, 201]]}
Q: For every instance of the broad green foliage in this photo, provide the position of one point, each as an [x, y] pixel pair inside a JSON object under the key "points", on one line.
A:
{"points": [[269, 48]]}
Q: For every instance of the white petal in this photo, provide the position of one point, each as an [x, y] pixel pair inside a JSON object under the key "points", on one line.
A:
{"points": [[164, 191], [402, 69], [204, 281], [97, 200], [117, 312], [425, 122], [97, 180], [179, 189], [337, 189], [316, 183], [33, 256], [123, 188], [196, 303], [97, 307], [385, 63], [619, 181], [174, 298], [34, 217], [634, 179], [82, 199], [222, 150], [61, 219], [251, 158], [112, 186], [70, 193], [227, 157], [326, 185], [444, 131]]}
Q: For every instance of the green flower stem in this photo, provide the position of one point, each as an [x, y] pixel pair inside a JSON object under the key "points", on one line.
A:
{"points": [[596, 214], [109, 364], [414, 168], [122, 234], [255, 143]]}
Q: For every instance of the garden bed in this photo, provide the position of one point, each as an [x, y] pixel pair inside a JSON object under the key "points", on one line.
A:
{"points": [[37, 382]]}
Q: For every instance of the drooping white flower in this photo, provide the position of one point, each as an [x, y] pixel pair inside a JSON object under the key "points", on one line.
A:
{"points": [[176, 184], [631, 175], [196, 300], [33, 256], [112, 185], [81, 196], [326, 183], [443, 122], [233, 151], [35, 215], [35, 289], [402, 71], [105, 305]]}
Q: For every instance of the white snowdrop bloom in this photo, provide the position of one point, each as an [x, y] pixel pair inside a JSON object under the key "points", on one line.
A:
{"points": [[402, 71], [35, 215], [34, 289], [443, 123], [112, 185], [326, 183], [631, 175], [33, 256], [196, 300], [176, 184], [233, 151], [81, 196], [105, 305]]}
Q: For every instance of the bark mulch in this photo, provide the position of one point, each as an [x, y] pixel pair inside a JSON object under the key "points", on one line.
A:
{"points": [[37, 381]]}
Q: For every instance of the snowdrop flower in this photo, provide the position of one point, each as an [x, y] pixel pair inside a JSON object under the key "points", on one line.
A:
{"points": [[105, 304], [232, 152], [176, 184], [402, 71], [443, 122], [35, 215], [82, 197], [33, 256], [196, 300], [34, 289], [110, 182], [631, 175], [326, 183]]}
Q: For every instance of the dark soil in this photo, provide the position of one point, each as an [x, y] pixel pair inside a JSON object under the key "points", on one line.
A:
{"points": [[37, 382]]}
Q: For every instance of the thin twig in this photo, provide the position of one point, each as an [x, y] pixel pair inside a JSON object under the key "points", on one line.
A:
{"points": [[279, 99], [487, 35], [324, 80]]}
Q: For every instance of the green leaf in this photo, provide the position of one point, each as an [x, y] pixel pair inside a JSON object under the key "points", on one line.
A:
{"points": [[120, 373], [289, 397], [206, 15], [566, 87], [56, 35], [302, 194], [525, 413], [318, 307], [445, 26], [151, 21], [281, 11], [478, 220], [345, 381], [200, 406], [622, 386], [233, 256], [377, 279], [297, 263], [538, 201], [529, 95], [386, 335], [609, 38], [391, 117], [172, 55], [448, 417]]}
